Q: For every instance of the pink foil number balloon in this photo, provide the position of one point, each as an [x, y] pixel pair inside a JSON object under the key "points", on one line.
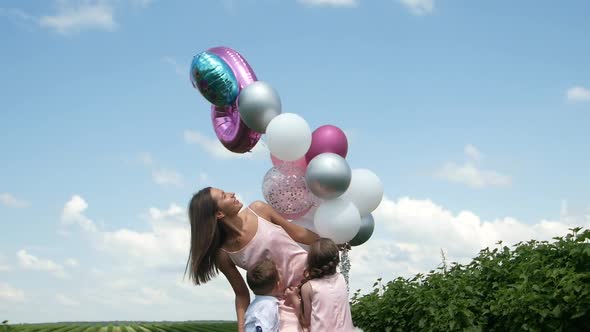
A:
{"points": [[231, 131]]}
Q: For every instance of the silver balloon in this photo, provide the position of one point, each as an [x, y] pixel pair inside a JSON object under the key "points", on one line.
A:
{"points": [[365, 232], [258, 103], [328, 175]]}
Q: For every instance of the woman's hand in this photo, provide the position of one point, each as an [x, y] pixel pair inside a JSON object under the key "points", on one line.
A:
{"points": [[343, 246], [292, 298]]}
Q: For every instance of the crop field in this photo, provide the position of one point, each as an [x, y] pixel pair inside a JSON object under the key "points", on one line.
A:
{"points": [[125, 327]]}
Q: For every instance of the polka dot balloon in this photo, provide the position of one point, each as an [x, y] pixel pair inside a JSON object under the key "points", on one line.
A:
{"points": [[284, 188]]}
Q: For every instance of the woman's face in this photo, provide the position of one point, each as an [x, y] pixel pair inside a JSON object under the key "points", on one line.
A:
{"points": [[227, 203]]}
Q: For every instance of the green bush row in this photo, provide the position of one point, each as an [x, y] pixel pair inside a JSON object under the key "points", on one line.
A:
{"points": [[535, 286]]}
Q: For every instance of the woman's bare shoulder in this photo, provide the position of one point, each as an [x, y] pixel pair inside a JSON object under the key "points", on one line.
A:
{"points": [[262, 209]]}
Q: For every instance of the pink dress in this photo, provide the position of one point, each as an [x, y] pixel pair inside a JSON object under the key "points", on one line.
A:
{"points": [[272, 241], [330, 310]]}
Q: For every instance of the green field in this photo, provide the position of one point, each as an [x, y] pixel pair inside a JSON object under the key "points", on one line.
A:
{"points": [[125, 327]]}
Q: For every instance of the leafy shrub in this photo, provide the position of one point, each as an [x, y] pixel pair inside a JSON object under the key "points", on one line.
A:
{"points": [[5, 326], [536, 286]]}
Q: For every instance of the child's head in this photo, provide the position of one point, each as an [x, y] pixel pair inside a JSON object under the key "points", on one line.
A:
{"points": [[263, 278], [323, 258]]}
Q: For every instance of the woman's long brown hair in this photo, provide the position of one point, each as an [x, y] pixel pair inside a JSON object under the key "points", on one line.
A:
{"points": [[207, 236]]}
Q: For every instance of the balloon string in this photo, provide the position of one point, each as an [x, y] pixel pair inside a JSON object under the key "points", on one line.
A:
{"points": [[345, 265]]}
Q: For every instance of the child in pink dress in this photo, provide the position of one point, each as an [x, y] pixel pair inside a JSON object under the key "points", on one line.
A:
{"points": [[323, 304]]}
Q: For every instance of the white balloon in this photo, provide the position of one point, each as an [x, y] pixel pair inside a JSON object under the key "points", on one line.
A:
{"points": [[288, 136], [306, 221], [337, 219], [365, 191]]}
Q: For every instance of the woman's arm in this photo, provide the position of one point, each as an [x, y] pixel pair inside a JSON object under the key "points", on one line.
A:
{"points": [[306, 304], [296, 232], [228, 268]]}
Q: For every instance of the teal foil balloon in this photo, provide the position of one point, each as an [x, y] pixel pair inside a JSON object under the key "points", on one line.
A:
{"points": [[214, 79]]}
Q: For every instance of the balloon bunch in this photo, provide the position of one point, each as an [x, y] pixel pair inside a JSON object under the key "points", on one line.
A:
{"points": [[310, 182]]}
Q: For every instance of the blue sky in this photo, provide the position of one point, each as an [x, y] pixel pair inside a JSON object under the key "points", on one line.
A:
{"points": [[473, 114]]}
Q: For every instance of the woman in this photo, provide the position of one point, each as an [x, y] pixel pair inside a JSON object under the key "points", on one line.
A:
{"points": [[224, 236]]}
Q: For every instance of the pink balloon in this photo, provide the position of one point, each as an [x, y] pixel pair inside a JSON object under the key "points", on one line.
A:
{"points": [[327, 138], [299, 163], [284, 188], [294, 215]]}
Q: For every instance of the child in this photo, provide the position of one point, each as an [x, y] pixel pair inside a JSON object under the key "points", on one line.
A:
{"points": [[323, 305], [262, 314]]}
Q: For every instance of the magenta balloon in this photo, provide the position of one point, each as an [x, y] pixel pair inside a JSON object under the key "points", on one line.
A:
{"points": [[300, 163], [327, 138], [231, 131]]}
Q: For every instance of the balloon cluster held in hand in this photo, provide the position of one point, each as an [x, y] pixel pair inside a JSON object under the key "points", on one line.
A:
{"points": [[310, 182]]}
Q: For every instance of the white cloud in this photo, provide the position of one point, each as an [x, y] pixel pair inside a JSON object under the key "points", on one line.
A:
{"points": [[217, 287], [74, 208], [66, 301], [173, 212], [472, 153], [164, 244], [167, 177], [149, 296], [97, 273], [72, 262], [145, 158], [578, 93], [142, 3], [574, 214], [419, 7], [9, 200], [330, 3], [16, 13], [161, 176], [73, 214], [164, 295], [215, 149], [4, 267], [121, 283], [10, 293], [410, 233], [74, 16], [178, 69], [204, 178], [470, 174], [30, 262]]}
